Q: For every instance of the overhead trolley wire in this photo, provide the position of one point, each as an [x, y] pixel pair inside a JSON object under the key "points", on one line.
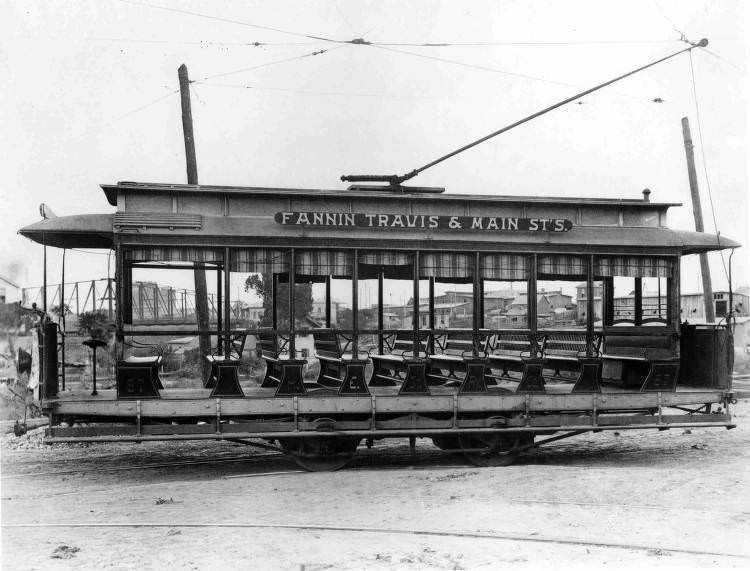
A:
{"points": [[396, 180], [230, 21], [247, 44], [361, 41], [267, 64], [142, 107], [469, 65], [518, 43]]}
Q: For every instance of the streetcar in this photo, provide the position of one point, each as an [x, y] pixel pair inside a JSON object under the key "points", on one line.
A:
{"points": [[517, 321]]}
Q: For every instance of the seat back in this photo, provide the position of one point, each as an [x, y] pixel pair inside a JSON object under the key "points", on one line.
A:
{"points": [[327, 343], [512, 343]]}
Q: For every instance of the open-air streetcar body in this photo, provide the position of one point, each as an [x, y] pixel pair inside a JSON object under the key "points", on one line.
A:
{"points": [[486, 387]]}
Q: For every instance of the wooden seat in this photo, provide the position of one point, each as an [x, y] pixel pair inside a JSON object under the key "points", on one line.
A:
{"points": [[453, 354], [398, 364], [223, 377], [646, 359], [516, 351], [152, 361], [507, 351], [283, 371], [339, 367], [138, 378]]}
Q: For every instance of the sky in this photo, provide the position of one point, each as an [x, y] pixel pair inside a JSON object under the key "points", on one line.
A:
{"points": [[89, 96]]}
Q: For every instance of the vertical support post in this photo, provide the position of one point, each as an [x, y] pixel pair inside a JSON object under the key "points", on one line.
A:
{"points": [[62, 317], [140, 300], [156, 302], [415, 306], [590, 307], [431, 309], [673, 303], [638, 302], [219, 305], [608, 301], [708, 296], [431, 301], [227, 305], [124, 295], [355, 304], [328, 302], [44, 280], [292, 325], [275, 301], [110, 296], [477, 306], [531, 300], [78, 300], [380, 311]]}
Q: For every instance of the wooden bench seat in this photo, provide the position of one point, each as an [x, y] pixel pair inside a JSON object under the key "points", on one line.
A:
{"points": [[460, 359], [283, 370], [223, 377], [399, 365], [514, 351], [507, 350], [563, 351], [647, 360], [340, 368], [452, 355], [138, 377]]}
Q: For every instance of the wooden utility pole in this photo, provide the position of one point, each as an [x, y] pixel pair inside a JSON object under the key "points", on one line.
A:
{"points": [[708, 294], [201, 290]]}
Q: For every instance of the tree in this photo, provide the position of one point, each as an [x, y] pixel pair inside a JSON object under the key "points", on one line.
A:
{"points": [[262, 285], [57, 310], [11, 316], [96, 325]]}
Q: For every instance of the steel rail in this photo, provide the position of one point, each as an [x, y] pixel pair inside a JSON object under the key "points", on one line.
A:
{"points": [[99, 469], [508, 536]]}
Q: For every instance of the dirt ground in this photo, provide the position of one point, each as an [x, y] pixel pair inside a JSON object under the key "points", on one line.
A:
{"points": [[673, 499]]}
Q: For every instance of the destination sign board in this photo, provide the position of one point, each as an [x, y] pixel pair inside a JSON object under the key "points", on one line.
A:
{"points": [[422, 222]]}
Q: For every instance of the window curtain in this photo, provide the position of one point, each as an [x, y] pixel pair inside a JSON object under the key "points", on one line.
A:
{"points": [[562, 266], [446, 267], [504, 267], [634, 267], [395, 265], [259, 260], [173, 254], [386, 258], [337, 264]]}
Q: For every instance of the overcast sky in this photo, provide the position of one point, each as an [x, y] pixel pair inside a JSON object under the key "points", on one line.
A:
{"points": [[89, 96]]}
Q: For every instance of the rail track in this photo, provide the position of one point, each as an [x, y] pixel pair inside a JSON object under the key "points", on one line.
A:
{"points": [[385, 531]]}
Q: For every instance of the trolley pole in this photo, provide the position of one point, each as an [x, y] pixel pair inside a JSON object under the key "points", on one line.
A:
{"points": [[199, 273], [708, 295]]}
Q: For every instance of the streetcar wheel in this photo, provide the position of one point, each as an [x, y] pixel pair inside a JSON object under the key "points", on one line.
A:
{"points": [[446, 442], [323, 454], [493, 449]]}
